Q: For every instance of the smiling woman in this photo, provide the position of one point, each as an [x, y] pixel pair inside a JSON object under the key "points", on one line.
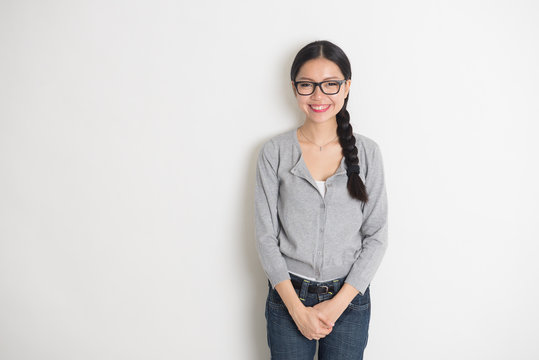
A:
{"points": [[320, 217]]}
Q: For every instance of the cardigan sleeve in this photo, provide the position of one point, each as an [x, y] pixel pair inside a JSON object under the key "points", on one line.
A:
{"points": [[374, 229], [267, 225]]}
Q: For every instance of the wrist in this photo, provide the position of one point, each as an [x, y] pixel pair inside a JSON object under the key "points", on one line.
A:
{"points": [[296, 309], [340, 302], [345, 295]]}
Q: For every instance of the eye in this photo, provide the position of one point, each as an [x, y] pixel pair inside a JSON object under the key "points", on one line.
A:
{"points": [[332, 84], [304, 84]]}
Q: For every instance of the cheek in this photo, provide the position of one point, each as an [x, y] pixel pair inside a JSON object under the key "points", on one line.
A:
{"points": [[303, 104], [339, 103]]}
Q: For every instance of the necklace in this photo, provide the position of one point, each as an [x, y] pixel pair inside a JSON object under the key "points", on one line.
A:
{"points": [[314, 142]]}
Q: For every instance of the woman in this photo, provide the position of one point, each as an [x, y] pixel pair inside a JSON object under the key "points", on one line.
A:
{"points": [[320, 217]]}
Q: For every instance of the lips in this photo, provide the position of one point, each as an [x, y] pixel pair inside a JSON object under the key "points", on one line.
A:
{"points": [[319, 108]]}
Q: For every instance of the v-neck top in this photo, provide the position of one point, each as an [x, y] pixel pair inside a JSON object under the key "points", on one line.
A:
{"points": [[302, 230]]}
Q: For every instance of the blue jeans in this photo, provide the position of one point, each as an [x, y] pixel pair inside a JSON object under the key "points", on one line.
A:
{"points": [[346, 341]]}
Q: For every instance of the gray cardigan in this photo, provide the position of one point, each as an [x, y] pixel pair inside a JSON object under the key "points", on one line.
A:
{"points": [[328, 237]]}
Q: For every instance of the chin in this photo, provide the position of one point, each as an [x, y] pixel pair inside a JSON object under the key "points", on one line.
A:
{"points": [[320, 120]]}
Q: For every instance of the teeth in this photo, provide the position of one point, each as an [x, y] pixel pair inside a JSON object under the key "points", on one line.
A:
{"points": [[320, 107]]}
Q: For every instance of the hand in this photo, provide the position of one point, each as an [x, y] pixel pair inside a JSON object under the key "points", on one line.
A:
{"points": [[331, 309], [312, 323]]}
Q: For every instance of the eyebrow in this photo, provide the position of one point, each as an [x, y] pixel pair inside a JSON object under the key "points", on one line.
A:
{"points": [[328, 78]]}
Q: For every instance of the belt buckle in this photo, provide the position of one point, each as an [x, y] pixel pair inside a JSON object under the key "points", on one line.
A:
{"points": [[323, 286]]}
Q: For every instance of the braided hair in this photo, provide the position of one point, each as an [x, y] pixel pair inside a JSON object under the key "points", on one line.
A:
{"points": [[330, 51]]}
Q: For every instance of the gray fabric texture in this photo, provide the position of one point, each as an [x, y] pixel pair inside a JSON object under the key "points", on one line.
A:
{"points": [[298, 230]]}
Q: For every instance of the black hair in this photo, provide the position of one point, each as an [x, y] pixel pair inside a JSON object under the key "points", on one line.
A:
{"points": [[330, 51]]}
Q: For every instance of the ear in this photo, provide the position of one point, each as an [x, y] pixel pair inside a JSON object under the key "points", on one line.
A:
{"points": [[293, 88], [347, 87]]}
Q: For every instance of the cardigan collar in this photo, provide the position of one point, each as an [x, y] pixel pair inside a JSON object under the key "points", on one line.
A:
{"points": [[300, 168]]}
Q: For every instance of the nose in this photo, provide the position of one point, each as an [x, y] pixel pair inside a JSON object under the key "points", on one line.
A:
{"points": [[317, 92]]}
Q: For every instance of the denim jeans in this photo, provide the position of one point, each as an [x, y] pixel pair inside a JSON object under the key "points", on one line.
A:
{"points": [[347, 340]]}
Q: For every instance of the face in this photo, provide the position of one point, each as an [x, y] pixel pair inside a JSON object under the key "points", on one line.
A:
{"points": [[318, 106]]}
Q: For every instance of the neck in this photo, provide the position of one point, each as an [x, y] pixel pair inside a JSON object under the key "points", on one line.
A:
{"points": [[320, 132]]}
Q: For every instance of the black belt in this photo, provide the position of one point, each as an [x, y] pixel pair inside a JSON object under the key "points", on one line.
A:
{"points": [[317, 289]]}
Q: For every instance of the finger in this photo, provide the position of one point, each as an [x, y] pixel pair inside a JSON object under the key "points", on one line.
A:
{"points": [[323, 333], [321, 327], [325, 320]]}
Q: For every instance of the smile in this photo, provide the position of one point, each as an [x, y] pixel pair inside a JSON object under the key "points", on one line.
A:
{"points": [[319, 108]]}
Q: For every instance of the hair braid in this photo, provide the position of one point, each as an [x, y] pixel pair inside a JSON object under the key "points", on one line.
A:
{"points": [[355, 185]]}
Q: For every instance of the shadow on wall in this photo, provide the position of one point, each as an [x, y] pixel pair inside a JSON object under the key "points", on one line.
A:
{"points": [[257, 286]]}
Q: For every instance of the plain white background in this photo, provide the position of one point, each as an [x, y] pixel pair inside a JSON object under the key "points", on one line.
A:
{"points": [[129, 132]]}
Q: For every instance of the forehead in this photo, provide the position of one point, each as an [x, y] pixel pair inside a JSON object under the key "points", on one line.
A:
{"points": [[318, 70]]}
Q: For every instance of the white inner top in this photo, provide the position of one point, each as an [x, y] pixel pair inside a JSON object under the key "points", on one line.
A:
{"points": [[309, 278], [321, 187]]}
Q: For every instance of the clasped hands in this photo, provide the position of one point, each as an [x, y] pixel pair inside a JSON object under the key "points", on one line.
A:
{"points": [[315, 322]]}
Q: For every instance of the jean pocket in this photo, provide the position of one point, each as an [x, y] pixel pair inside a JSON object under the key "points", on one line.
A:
{"points": [[359, 307], [360, 303], [275, 308], [274, 299]]}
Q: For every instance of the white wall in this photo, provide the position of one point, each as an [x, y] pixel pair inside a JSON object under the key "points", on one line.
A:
{"points": [[129, 132]]}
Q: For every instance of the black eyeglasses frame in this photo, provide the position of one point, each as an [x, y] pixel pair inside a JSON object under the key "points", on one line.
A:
{"points": [[319, 84]]}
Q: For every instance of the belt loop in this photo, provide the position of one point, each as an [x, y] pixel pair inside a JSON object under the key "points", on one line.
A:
{"points": [[304, 288]]}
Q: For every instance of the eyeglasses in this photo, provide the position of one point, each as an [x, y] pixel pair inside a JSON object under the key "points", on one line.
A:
{"points": [[329, 87]]}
